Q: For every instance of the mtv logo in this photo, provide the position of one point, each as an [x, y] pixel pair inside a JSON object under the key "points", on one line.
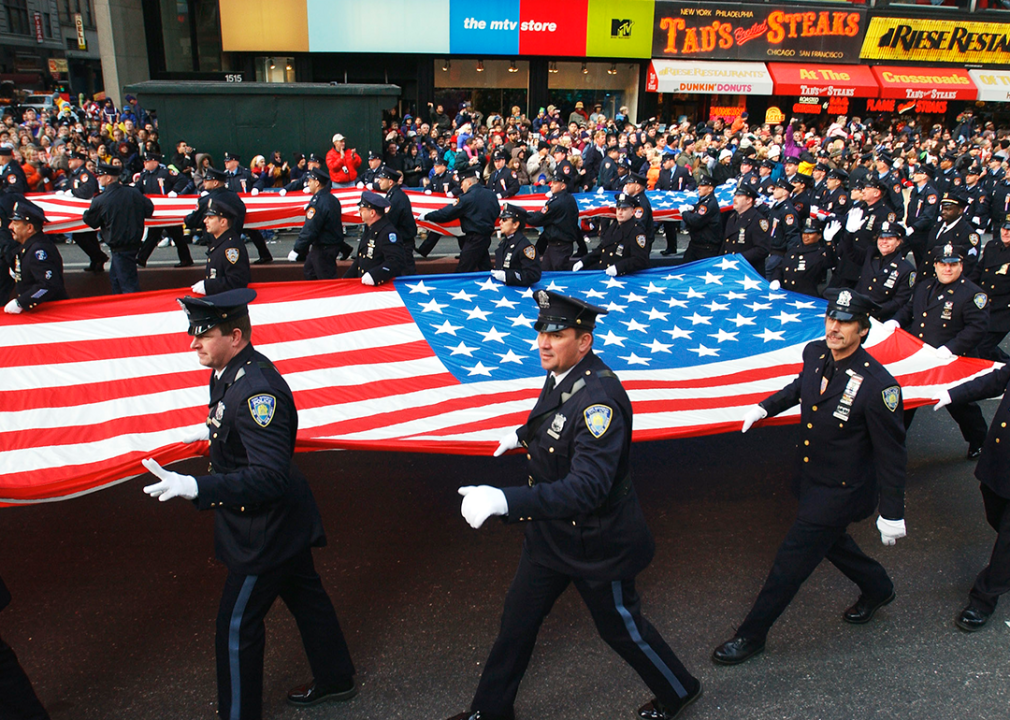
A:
{"points": [[620, 28]]}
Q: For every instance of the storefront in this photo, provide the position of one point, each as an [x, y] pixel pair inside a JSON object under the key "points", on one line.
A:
{"points": [[937, 93], [709, 90], [821, 92]]}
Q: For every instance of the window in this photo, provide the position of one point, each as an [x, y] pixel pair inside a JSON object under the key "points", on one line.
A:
{"points": [[47, 25], [17, 17]]}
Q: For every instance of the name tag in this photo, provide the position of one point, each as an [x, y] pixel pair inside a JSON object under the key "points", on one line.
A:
{"points": [[848, 396], [948, 310], [893, 278]]}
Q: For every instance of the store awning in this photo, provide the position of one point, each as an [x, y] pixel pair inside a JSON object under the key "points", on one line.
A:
{"points": [[709, 78], [812, 80], [925, 83], [993, 85]]}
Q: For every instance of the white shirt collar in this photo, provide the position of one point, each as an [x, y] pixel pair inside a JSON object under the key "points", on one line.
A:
{"points": [[562, 376]]}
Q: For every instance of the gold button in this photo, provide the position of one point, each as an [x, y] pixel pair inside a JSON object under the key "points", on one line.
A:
{"points": [[997, 439], [810, 426], [573, 523], [215, 435], [242, 508], [806, 459], [814, 408], [806, 442], [1002, 424], [528, 456], [550, 449], [843, 483], [841, 425]]}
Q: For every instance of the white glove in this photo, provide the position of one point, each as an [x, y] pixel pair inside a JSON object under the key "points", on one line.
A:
{"points": [[367, 279], [753, 414], [612, 271], [890, 530], [943, 352], [498, 195], [942, 399], [976, 220], [360, 186], [891, 326], [774, 285], [204, 192], [13, 308], [854, 219], [306, 191], [420, 215], [173, 193], [292, 256], [254, 191], [896, 165], [509, 442], [172, 484], [428, 191], [831, 230], [283, 192], [577, 266], [909, 230], [197, 433], [549, 193], [199, 288], [498, 275], [481, 502], [814, 209]]}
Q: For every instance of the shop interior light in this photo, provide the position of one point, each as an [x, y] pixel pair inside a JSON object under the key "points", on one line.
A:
{"points": [[612, 70], [585, 70], [480, 66], [553, 67], [288, 66], [512, 67], [445, 66], [272, 66]]}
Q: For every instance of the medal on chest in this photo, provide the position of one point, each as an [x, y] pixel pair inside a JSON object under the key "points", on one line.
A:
{"points": [[620, 249], [371, 248], [848, 396], [741, 236], [507, 262], [948, 310], [801, 265], [16, 273], [891, 279], [217, 416], [557, 425]]}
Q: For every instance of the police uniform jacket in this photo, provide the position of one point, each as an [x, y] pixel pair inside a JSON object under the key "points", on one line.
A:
{"points": [[504, 182], [401, 215], [476, 209], [993, 468], [564, 171], [801, 202], [961, 233], [444, 183], [38, 272], [517, 258], [747, 234], [990, 180], [978, 207], [323, 225], [945, 180], [608, 175], [240, 181], [119, 211], [623, 245], [851, 453], [194, 220], [13, 178], [804, 267], [836, 202], [643, 213], [227, 263], [751, 178], [992, 274], [161, 181], [380, 253], [784, 229], [888, 281], [955, 315], [582, 512], [999, 204], [367, 178], [677, 180], [82, 183], [923, 211], [853, 247], [704, 221], [265, 510], [892, 196], [559, 218]]}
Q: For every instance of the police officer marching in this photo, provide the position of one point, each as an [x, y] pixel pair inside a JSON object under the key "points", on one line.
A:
{"points": [[214, 182], [887, 278], [624, 246], [992, 274], [503, 181], [560, 222], [441, 181], [38, 267], [784, 228], [921, 214], [321, 238], [400, 213], [227, 265], [477, 210], [703, 223], [805, 266], [746, 231], [954, 230], [81, 183], [156, 179], [515, 258], [861, 227], [12, 176], [635, 186], [240, 180], [380, 253]]}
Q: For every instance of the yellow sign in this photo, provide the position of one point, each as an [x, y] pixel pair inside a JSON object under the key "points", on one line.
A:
{"points": [[82, 40], [773, 116], [946, 41]]}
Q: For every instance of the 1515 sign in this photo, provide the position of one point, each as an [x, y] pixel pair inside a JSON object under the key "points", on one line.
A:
{"points": [[756, 32]]}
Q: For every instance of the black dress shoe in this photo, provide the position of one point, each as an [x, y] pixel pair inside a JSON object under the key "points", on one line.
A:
{"points": [[656, 710], [142, 263], [185, 264], [864, 609], [737, 650], [263, 260], [973, 452], [667, 253], [313, 694], [971, 619]]}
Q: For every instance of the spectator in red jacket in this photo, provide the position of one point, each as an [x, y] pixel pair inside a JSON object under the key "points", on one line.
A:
{"points": [[343, 164]]}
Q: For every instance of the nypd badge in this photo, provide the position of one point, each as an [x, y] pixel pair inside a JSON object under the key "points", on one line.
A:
{"points": [[558, 424], [980, 300], [262, 407], [911, 279], [639, 213], [640, 240], [530, 252], [892, 396], [231, 254], [598, 419], [764, 225], [392, 237]]}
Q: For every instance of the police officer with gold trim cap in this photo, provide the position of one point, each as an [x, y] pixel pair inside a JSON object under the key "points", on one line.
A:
{"points": [[992, 274], [515, 258], [227, 265], [380, 253], [624, 245], [38, 267]]}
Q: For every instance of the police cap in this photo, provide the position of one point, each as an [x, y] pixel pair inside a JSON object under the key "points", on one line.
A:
{"points": [[439, 160], [558, 312], [78, 155], [212, 173], [634, 177], [223, 206], [746, 190], [372, 155], [388, 173], [206, 313], [947, 254], [320, 175], [874, 181], [6, 150], [838, 174], [624, 200], [847, 305], [791, 160], [770, 164], [152, 156], [892, 229], [884, 156], [706, 180], [955, 197], [1006, 223], [374, 201], [812, 225], [313, 158], [109, 169], [29, 212], [746, 160], [803, 178], [822, 167], [232, 156], [513, 212], [783, 182], [499, 155], [974, 169], [468, 172]]}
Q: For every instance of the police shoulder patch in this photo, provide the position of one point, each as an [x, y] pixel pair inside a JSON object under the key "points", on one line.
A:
{"points": [[392, 237], [12, 178], [931, 199], [231, 255], [701, 210], [639, 212], [764, 224], [892, 396], [41, 254], [790, 219], [310, 213], [897, 187], [841, 199], [973, 239], [598, 419], [262, 408], [530, 252], [980, 300], [640, 240], [84, 177], [911, 279], [891, 217]]}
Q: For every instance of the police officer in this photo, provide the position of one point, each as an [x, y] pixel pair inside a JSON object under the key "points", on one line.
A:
{"points": [[560, 222], [852, 458], [12, 177], [748, 175], [214, 185], [380, 253], [635, 186], [836, 198], [977, 211], [624, 246], [860, 230], [703, 223], [802, 198], [946, 175], [266, 520], [515, 258], [891, 182], [783, 230], [921, 214], [951, 314], [119, 211], [227, 259], [992, 274], [887, 278], [442, 181], [583, 521], [312, 162], [81, 183], [321, 238], [746, 230], [38, 267], [608, 169], [954, 230], [240, 180], [503, 181], [400, 214], [18, 700], [999, 203], [367, 178], [765, 171], [805, 266], [156, 179], [673, 178], [476, 209], [562, 167]]}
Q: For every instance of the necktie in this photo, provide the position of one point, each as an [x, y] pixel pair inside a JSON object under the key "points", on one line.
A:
{"points": [[550, 384]]}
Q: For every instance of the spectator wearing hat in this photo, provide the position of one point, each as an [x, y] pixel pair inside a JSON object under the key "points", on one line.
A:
{"points": [[503, 181], [635, 186], [784, 229], [805, 266], [342, 163], [723, 170], [624, 246], [119, 211], [400, 213], [214, 185], [38, 267], [954, 229], [12, 175], [858, 235], [227, 259], [951, 314], [560, 222], [921, 213], [746, 230], [853, 462], [886, 278], [321, 238], [81, 183], [992, 274], [515, 259], [477, 210], [380, 253], [703, 222], [157, 180], [240, 180], [579, 116]]}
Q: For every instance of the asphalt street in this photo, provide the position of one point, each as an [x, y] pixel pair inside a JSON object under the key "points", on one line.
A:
{"points": [[115, 594]]}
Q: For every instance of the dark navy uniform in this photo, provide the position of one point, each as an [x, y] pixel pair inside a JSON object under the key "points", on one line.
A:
{"points": [[504, 182], [704, 226], [961, 234], [992, 274], [517, 258], [978, 207], [921, 216], [747, 234], [380, 253], [322, 236], [401, 215], [161, 182], [892, 193], [560, 222], [227, 263], [888, 281], [241, 180], [608, 174], [444, 183], [38, 272], [120, 211], [477, 210], [18, 699], [784, 230], [623, 245], [12, 177], [853, 247], [679, 179], [999, 204], [82, 183], [804, 268], [563, 170], [194, 221], [8, 245]]}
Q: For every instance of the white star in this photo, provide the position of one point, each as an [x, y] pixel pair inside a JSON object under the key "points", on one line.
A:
{"points": [[632, 297], [614, 307], [462, 349], [493, 335], [674, 302], [784, 317], [633, 359], [740, 320], [433, 306], [655, 314], [505, 302], [462, 296], [446, 327], [750, 283], [593, 293], [611, 339], [635, 325], [703, 351], [771, 335], [697, 319], [774, 296], [800, 305], [521, 321], [527, 293], [734, 295], [715, 307], [674, 277], [654, 289], [535, 345], [692, 293], [710, 278], [419, 287], [555, 287], [656, 346], [476, 313], [755, 306], [510, 357], [678, 333], [728, 264], [614, 282], [489, 284], [722, 335], [479, 369]]}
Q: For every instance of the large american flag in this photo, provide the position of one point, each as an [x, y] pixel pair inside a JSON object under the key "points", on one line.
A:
{"points": [[439, 363]]}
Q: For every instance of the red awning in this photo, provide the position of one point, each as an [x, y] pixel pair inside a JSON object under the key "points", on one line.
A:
{"points": [[925, 83], [810, 80]]}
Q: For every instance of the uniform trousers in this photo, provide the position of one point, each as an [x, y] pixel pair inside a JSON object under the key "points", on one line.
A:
{"points": [[969, 419], [18, 700], [241, 635], [994, 580], [805, 545], [123, 272], [616, 611], [176, 235], [670, 229], [989, 349], [321, 262], [473, 254], [429, 244], [556, 256], [88, 242], [261, 245], [699, 251]]}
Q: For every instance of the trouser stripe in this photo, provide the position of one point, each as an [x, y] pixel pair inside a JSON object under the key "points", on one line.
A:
{"points": [[646, 649]]}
